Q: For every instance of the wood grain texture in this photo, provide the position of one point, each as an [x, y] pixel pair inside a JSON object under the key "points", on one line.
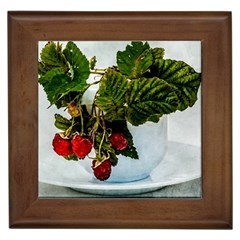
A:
{"points": [[213, 210]]}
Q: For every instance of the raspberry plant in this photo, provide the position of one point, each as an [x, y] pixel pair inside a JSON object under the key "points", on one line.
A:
{"points": [[142, 87]]}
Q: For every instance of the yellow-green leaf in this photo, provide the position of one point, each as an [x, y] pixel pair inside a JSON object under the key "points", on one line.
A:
{"points": [[148, 99], [181, 77], [111, 95]]}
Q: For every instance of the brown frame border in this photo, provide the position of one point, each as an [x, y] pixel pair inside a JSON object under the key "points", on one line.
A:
{"points": [[213, 210]]}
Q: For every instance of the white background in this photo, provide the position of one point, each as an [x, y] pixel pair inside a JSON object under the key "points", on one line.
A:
{"points": [[123, 5]]}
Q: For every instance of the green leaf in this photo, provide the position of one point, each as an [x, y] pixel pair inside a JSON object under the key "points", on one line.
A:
{"points": [[79, 65], [59, 86], [46, 78], [111, 95], [148, 98], [72, 157], [52, 57], [154, 118], [182, 78], [61, 119], [63, 72], [121, 127], [61, 122], [56, 87], [41, 69], [135, 60], [157, 53]]}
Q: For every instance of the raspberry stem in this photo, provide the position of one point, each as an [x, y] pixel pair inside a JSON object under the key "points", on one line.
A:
{"points": [[68, 131], [103, 125], [98, 71], [82, 124], [100, 146]]}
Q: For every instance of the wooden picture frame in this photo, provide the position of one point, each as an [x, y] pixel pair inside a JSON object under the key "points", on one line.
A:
{"points": [[213, 210]]}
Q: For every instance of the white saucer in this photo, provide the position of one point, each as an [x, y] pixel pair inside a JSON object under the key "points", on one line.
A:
{"points": [[182, 163]]}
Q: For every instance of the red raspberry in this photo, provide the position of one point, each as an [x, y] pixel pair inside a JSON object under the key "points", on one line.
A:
{"points": [[81, 146], [102, 171], [118, 141], [62, 146]]}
